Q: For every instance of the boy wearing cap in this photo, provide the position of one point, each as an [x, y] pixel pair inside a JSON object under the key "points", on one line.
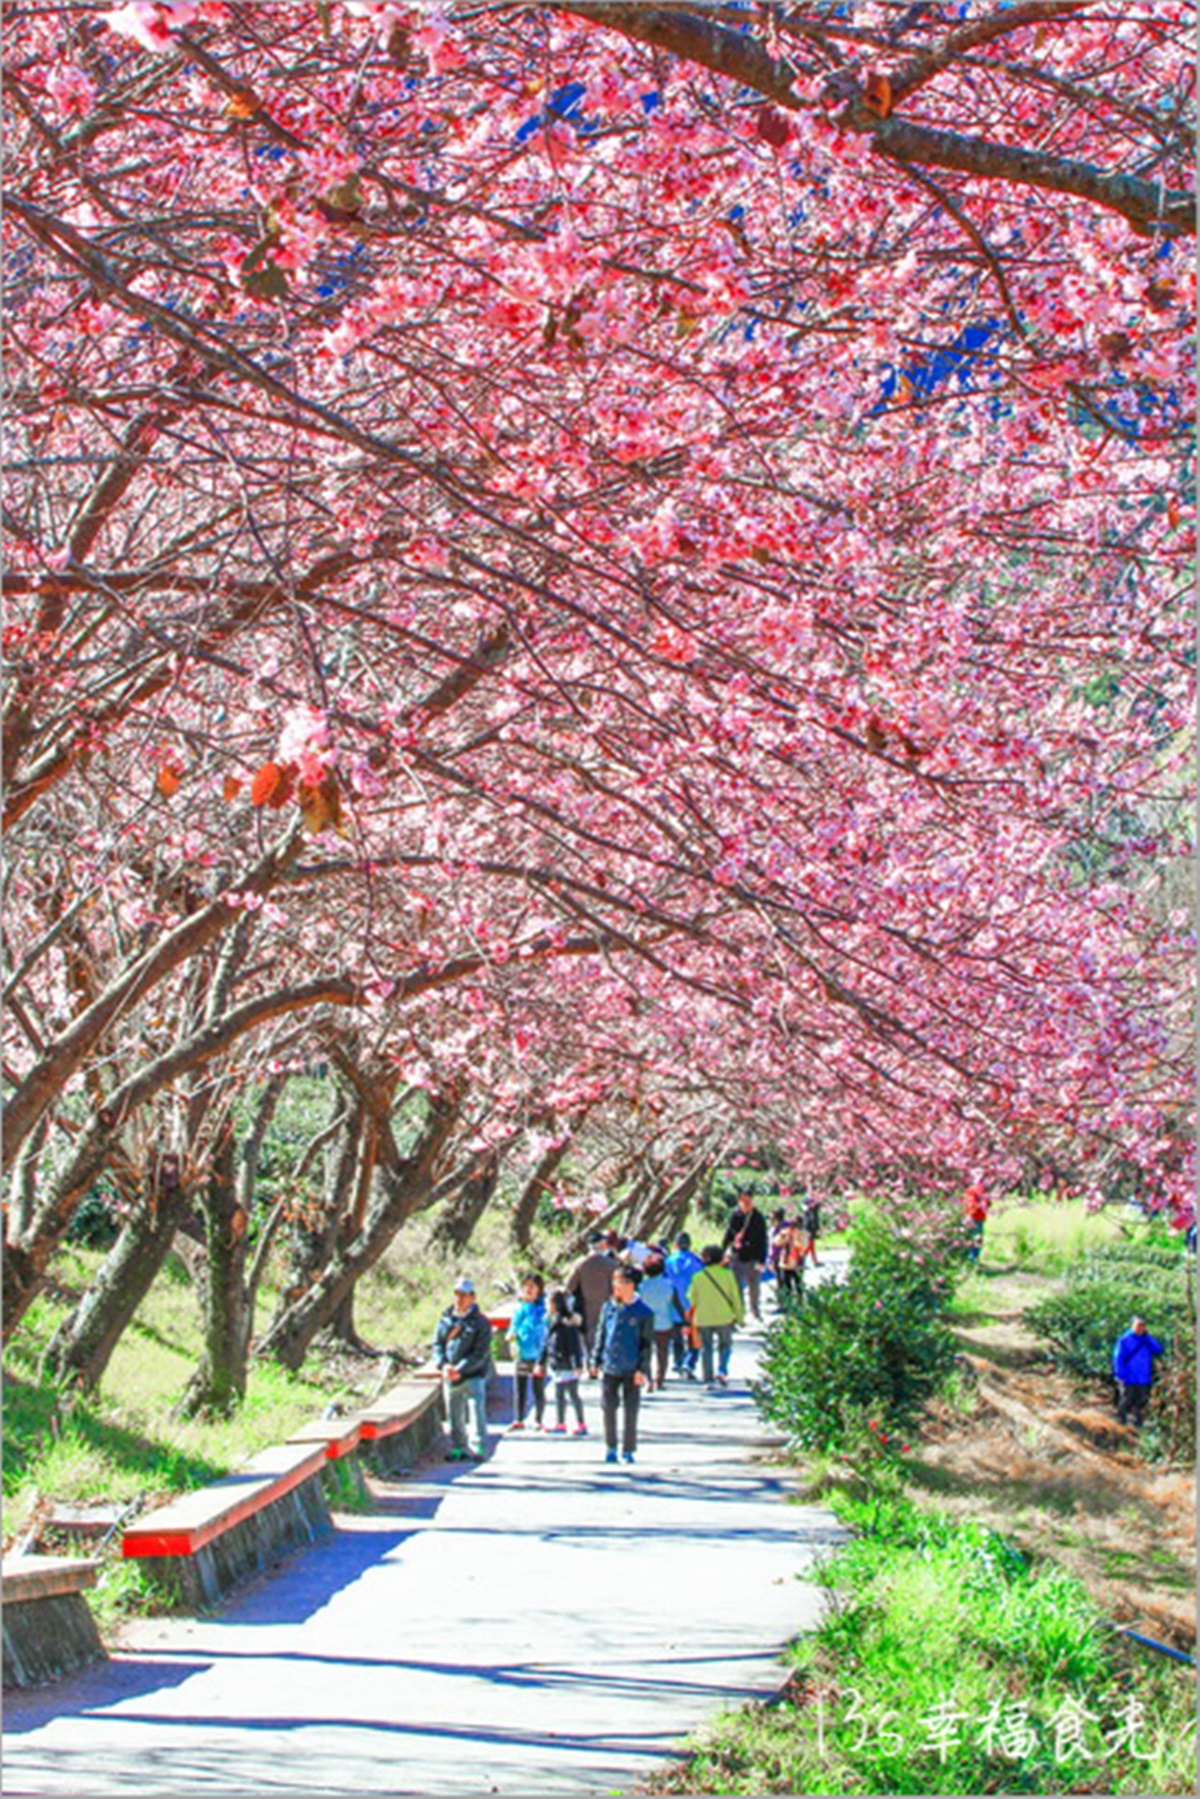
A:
{"points": [[463, 1349]]}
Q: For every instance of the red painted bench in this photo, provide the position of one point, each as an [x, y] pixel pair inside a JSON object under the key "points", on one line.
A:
{"points": [[198, 1546], [397, 1428], [339, 1435]]}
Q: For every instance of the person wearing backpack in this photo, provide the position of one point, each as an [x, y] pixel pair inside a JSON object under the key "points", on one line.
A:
{"points": [[682, 1266], [716, 1311]]}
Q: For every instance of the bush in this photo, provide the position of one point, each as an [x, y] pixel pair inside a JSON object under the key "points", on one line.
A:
{"points": [[929, 1614], [1148, 1255], [1082, 1323], [95, 1223], [867, 1350], [920, 1249]]}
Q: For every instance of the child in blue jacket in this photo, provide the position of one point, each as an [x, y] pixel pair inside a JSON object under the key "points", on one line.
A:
{"points": [[527, 1333]]}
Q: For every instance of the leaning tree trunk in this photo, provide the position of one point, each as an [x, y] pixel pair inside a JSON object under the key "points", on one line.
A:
{"points": [[404, 1186], [667, 1208], [457, 1223], [531, 1194], [82, 1345]]}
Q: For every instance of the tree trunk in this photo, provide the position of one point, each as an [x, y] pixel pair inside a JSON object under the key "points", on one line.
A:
{"points": [[24, 1278], [83, 1343], [535, 1187], [404, 1186], [218, 1385], [457, 1223]]}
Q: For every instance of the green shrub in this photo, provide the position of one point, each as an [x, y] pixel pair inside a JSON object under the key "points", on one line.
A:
{"points": [[95, 1223], [1082, 1323], [865, 1351], [1149, 1255]]}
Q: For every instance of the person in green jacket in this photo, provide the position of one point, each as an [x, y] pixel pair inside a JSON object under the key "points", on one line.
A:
{"points": [[716, 1308]]}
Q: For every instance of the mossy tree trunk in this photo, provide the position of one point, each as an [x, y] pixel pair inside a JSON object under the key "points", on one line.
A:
{"points": [[82, 1346]]}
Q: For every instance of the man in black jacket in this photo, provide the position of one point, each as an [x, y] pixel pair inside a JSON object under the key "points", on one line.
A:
{"points": [[463, 1348], [745, 1247]]}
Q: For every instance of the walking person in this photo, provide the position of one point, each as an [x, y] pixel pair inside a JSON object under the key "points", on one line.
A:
{"points": [[789, 1247], [1133, 1369], [717, 1308], [777, 1235], [682, 1264], [527, 1333], [658, 1292], [590, 1283], [462, 1349], [621, 1355], [565, 1360], [745, 1245], [811, 1225], [975, 1207]]}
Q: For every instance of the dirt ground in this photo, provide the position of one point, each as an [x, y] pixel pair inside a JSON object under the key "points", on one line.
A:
{"points": [[1042, 1459]]}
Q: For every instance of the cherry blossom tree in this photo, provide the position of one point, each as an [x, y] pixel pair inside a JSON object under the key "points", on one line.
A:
{"points": [[684, 505]]}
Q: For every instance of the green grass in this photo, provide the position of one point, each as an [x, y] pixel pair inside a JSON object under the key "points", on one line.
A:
{"points": [[123, 1442], [929, 1616], [1045, 1235]]}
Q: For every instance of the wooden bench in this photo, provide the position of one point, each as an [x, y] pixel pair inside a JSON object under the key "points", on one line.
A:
{"points": [[399, 1427], [202, 1544], [49, 1630], [339, 1435]]}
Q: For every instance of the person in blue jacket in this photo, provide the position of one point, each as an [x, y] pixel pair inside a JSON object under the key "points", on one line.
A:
{"points": [[528, 1332], [1133, 1368], [622, 1354], [681, 1266]]}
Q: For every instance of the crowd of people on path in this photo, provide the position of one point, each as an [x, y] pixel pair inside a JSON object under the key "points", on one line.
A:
{"points": [[627, 1313]]}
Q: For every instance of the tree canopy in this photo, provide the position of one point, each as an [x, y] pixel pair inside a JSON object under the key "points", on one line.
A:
{"points": [[603, 554]]}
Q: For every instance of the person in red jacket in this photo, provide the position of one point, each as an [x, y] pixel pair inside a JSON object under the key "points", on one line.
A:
{"points": [[975, 1206]]}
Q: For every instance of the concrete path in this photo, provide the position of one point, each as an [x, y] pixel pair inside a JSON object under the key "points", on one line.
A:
{"points": [[540, 1623]]}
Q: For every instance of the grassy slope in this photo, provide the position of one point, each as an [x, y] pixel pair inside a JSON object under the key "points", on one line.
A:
{"points": [[934, 1606]]}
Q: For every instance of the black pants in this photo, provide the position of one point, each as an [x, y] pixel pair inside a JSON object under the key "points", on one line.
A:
{"points": [[618, 1387], [1131, 1399], [526, 1378], [566, 1387], [789, 1284]]}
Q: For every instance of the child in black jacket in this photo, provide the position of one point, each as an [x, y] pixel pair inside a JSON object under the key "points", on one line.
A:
{"points": [[565, 1355]]}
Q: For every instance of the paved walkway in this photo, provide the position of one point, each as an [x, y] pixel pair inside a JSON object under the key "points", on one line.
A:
{"points": [[540, 1623]]}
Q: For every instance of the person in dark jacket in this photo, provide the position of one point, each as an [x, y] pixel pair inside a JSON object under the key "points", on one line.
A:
{"points": [[745, 1248], [590, 1283], [566, 1355], [463, 1351], [1133, 1369], [622, 1354]]}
